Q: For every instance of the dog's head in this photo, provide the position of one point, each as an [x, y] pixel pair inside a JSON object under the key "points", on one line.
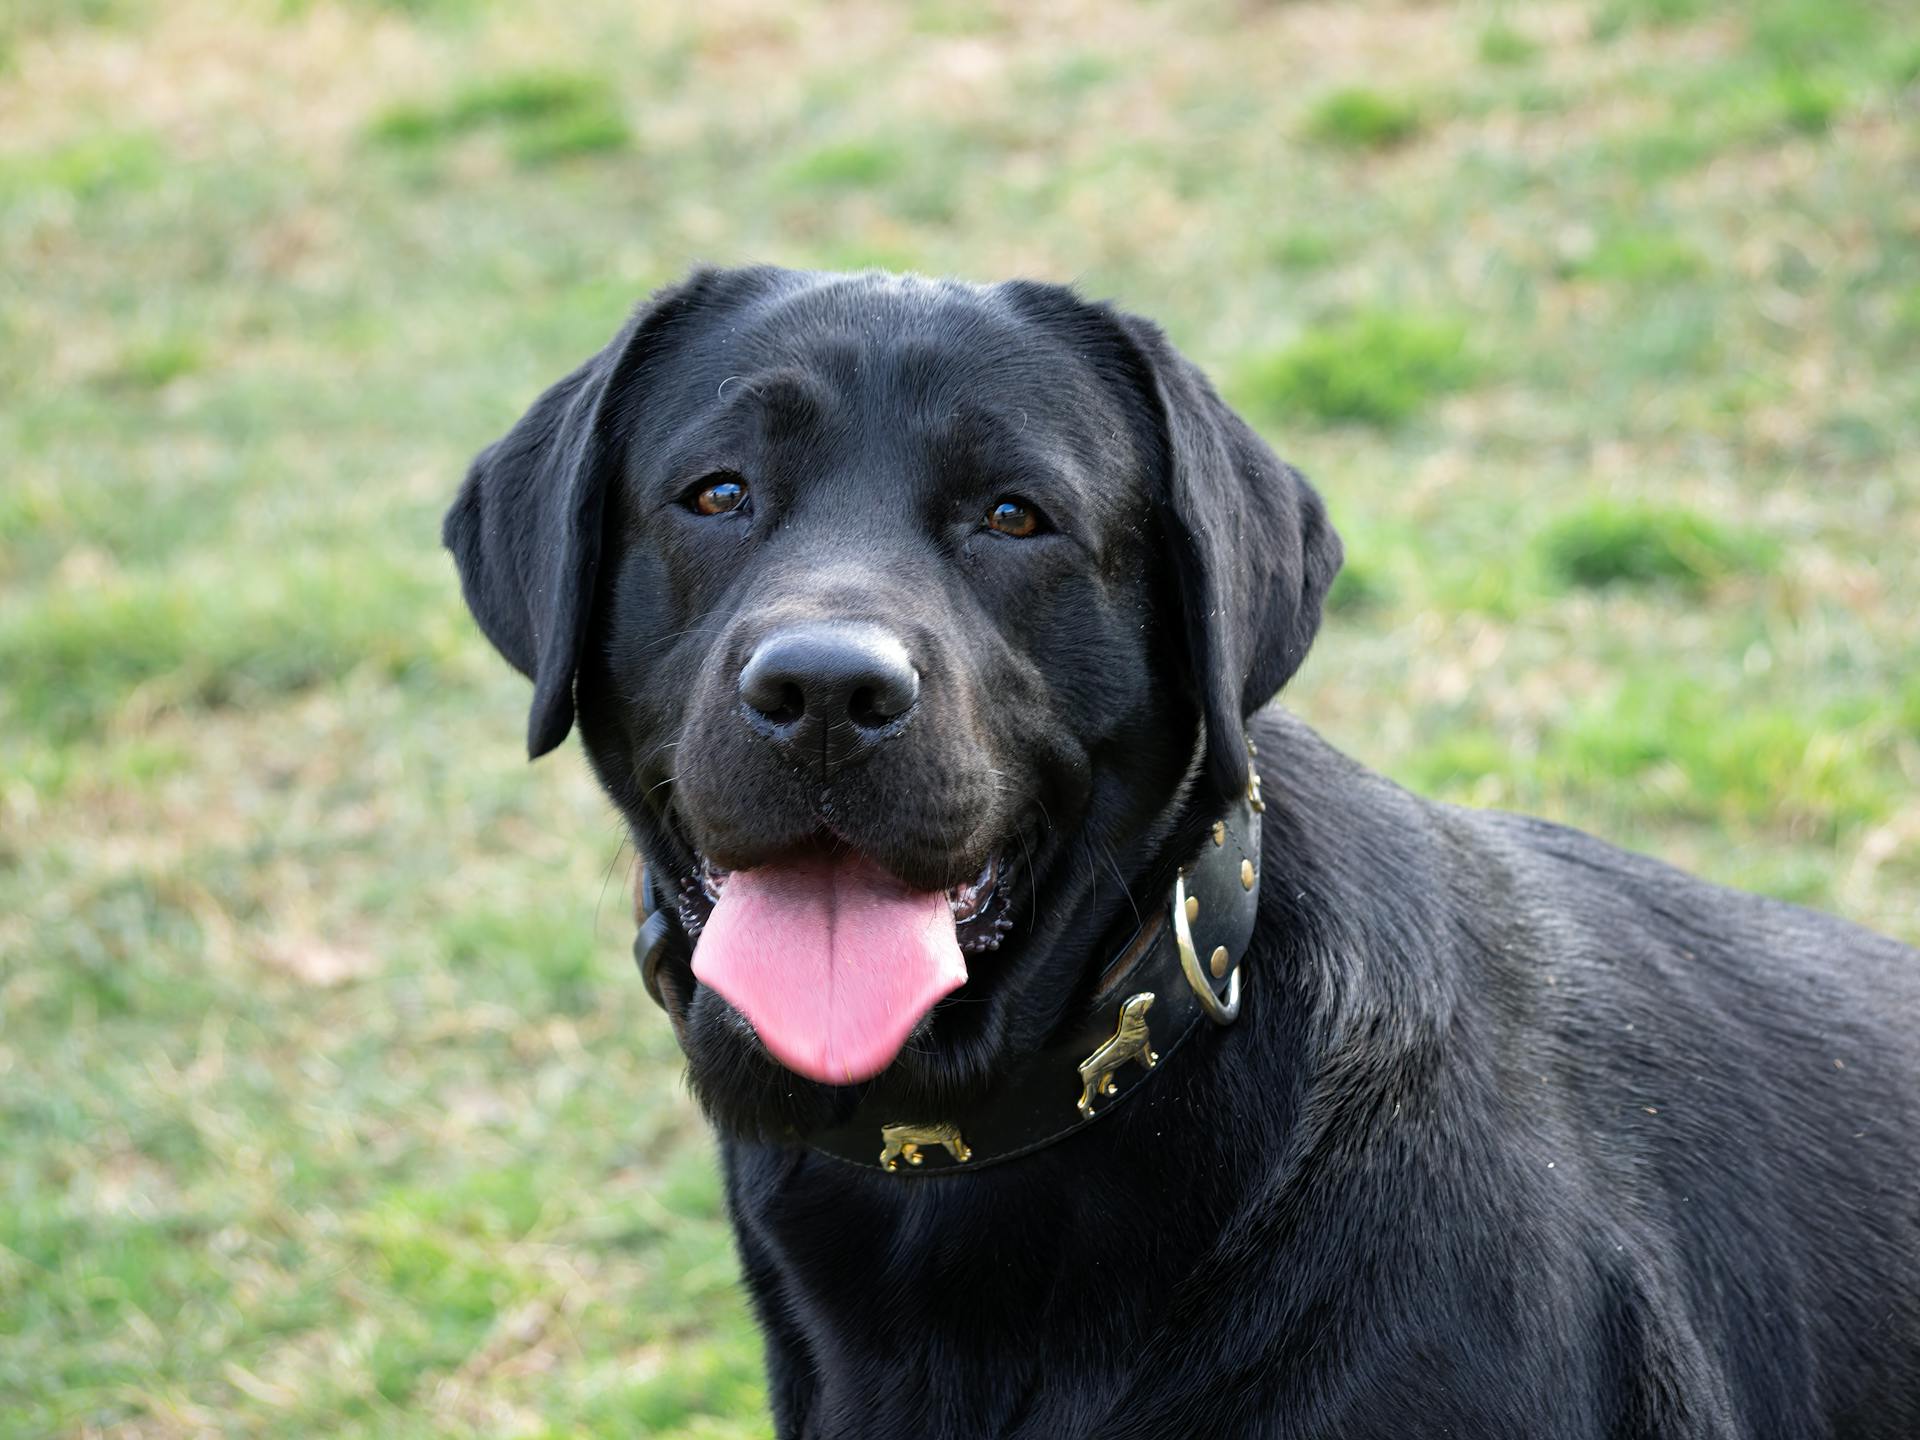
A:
{"points": [[908, 623]]}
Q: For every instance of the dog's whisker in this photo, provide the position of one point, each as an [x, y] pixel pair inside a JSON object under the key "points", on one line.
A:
{"points": [[1126, 891], [1033, 885], [662, 748], [674, 635], [1046, 816], [607, 879]]}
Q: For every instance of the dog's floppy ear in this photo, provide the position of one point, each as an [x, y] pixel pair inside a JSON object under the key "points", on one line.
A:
{"points": [[1253, 550], [525, 529]]}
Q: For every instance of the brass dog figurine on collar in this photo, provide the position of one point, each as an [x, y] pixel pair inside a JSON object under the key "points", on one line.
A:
{"points": [[1132, 1041]]}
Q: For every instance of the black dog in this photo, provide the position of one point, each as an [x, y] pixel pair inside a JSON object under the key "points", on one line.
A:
{"points": [[915, 629]]}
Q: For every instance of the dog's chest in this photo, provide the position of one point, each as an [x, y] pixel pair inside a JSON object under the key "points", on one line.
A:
{"points": [[972, 1301]]}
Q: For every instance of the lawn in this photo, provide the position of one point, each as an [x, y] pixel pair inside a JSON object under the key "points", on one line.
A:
{"points": [[329, 1102]]}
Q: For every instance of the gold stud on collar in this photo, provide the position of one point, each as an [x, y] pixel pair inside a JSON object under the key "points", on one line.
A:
{"points": [[1219, 832], [1193, 908], [903, 1142], [1217, 962], [1246, 874]]}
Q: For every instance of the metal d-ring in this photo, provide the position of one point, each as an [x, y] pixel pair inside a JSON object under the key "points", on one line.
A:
{"points": [[1221, 1012], [650, 945]]}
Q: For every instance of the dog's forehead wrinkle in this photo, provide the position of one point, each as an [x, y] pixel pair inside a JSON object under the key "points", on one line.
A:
{"points": [[944, 365], [859, 308], [931, 327], [779, 392]]}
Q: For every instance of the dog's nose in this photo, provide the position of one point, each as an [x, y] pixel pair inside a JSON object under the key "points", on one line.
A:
{"points": [[829, 689]]}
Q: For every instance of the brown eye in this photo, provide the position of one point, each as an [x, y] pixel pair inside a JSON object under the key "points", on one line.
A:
{"points": [[1013, 517], [720, 497]]}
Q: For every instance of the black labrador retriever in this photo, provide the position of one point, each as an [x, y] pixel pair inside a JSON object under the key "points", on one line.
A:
{"points": [[1095, 1052]]}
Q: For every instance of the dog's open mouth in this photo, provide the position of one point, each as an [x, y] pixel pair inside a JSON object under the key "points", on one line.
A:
{"points": [[832, 959], [981, 907]]}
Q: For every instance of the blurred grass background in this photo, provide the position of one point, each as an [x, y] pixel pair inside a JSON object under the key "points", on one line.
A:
{"points": [[329, 1103]]}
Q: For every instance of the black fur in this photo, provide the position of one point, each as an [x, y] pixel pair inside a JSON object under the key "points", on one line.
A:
{"points": [[1518, 1135]]}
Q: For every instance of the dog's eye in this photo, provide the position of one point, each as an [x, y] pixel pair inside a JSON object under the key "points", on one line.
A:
{"points": [[1014, 516], [721, 493]]}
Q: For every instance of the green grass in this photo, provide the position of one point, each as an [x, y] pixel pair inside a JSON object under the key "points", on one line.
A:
{"points": [[150, 364], [1360, 118], [1504, 44], [1617, 16], [548, 115], [1638, 255], [1906, 318], [1700, 753], [1359, 587], [1607, 543], [215, 639], [1808, 103], [331, 1103], [851, 163], [1303, 247], [92, 164], [1378, 368]]}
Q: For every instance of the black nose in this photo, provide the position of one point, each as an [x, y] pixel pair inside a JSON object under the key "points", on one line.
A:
{"points": [[828, 691]]}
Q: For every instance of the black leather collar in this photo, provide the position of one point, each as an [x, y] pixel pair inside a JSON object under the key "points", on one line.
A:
{"points": [[1183, 966]]}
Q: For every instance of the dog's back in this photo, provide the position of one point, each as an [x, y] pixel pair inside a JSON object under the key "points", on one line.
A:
{"points": [[1729, 1088]]}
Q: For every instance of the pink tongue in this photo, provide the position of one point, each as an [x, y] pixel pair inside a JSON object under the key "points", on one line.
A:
{"points": [[833, 962]]}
